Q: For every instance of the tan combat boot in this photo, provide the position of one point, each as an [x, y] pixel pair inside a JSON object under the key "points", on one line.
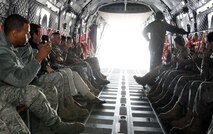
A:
{"points": [[173, 114], [183, 121], [67, 128], [66, 114], [71, 106]]}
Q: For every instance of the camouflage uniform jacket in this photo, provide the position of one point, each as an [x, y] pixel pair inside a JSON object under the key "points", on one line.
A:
{"points": [[13, 71]]}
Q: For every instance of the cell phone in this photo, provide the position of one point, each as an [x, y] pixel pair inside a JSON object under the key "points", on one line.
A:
{"points": [[45, 39]]}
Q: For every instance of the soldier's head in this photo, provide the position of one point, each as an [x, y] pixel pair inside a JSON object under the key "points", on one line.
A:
{"points": [[56, 38], [16, 29], [159, 15], [179, 42], [35, 33], [210, 37], [63, 40]]}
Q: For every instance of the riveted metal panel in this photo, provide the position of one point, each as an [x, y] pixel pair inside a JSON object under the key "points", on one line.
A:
{"points": [[127, 110], [19, 7], [34, 12], [4, 7]]}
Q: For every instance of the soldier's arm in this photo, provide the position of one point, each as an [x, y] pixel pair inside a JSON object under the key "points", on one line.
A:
{"points": [[15, 74], [174, 29], [146, 31]]}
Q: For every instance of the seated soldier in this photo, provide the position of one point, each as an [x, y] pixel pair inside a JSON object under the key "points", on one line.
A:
{"points": [[180, 53], [92, 64], [199, 100], [16, 77], [57, 61], [72, 82], [169, 73]]}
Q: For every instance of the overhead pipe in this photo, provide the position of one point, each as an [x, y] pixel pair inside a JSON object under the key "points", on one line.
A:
{"points": [[125, 5]]}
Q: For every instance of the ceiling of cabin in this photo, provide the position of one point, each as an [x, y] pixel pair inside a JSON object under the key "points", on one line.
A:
{"points": [[87, 10], [89, 7]]}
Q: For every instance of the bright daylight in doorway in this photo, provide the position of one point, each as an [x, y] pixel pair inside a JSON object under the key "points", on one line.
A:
{"points": [[122, 44]]}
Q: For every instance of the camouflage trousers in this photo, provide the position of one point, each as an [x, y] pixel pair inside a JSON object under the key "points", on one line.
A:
{"points": [[15, 120], [170, 75], [153, 74], [179, 82], [76, 83], [69, 85], [164, 79], [94, 63], [188, 93], [81, 71], [203, 105], [50, 85], [31, 97]]}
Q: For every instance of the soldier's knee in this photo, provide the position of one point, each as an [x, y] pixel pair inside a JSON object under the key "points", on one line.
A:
{"points": [[32, 93], [3, 128], [75, 73]]}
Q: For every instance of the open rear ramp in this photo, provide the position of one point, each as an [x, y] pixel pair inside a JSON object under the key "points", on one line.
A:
{"points": [[127, 110]]}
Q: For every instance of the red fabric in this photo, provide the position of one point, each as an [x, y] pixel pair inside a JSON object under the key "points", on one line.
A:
{"points": [[196, 42], [0, 27], [166, 50], [85, 50], [189, 42], [202, 43], [91, 45], [83, 38]]}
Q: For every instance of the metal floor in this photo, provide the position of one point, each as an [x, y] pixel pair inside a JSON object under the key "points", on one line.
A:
{"points": [[127, 110]]}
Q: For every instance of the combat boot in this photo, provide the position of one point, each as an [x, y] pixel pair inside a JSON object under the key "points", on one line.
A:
{"points": [[140, 80], [194, 127], [81, 112], [67, 115], [94, 91], [173, 114], [102, 82], [155, 93], [96, 101], [67, 128], [168, 106], [183, 121], [163, 100]]}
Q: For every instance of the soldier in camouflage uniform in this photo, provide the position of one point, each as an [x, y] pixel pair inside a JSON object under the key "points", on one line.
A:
{"points": [[16, 77], [166, 77], [14, 118], [200, 118], [157, 30], [68, 85]]}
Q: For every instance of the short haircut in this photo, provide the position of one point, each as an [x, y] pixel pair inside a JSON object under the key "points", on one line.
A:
{"points": [[180, 41], [210, 37], [14, 22], [159, 15], [63, 38], [34, 29], [55, 33], [69, 38]]}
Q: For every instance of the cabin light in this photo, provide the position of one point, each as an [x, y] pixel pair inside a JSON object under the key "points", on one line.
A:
{"points": [[182, 25], [49, 5], [71, 3], [203, 1], [38, 12], [183, 3]]}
